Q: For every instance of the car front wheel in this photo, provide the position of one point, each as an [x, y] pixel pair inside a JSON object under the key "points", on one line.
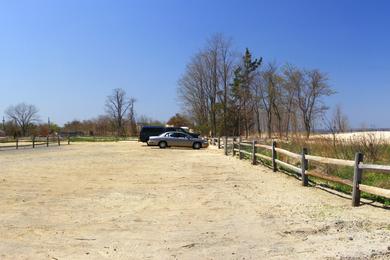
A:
{"points": [[196, 145], [162, 145]]}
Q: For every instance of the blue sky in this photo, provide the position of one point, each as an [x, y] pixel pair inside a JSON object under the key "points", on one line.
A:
{"points": [[66, 56]]}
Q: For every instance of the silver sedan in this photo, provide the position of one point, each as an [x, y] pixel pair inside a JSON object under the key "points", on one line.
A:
{"points": [[179, 139]]}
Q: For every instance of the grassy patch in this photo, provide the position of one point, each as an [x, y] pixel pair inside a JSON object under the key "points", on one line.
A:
{"points": [[101, 139], [375, 152]]}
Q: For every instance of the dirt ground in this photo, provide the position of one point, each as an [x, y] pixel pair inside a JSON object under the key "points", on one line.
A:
{"points": [[128, 201]]}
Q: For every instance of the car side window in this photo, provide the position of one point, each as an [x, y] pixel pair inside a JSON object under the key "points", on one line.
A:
{"points": [[178, 135]]}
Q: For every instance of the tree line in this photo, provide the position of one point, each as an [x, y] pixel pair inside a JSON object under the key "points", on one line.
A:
{"points": [[119, 119], [222, 92], [225, 93], [23, 120]]}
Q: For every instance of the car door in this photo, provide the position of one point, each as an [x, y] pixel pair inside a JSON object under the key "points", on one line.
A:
{"points": [[178, 139], [173, 139], [165, 137], [184, 140]]}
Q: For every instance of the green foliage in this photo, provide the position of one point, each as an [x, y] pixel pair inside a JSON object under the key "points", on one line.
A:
{"points": [[243, 76], [241, 93], [202, 129], [179, 120]]}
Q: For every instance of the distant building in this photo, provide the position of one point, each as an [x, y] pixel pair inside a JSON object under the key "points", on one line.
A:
{"points": [[2, 133]]}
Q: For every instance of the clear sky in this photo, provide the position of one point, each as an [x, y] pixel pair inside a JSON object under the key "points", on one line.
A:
{"points": [[66, 56]]}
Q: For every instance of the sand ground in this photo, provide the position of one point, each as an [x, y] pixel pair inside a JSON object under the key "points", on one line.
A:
{"points": [[383, 136], [128, 201]]}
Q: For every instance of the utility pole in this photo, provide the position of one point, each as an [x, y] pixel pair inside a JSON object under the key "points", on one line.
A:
{"points": [[3, 123]]}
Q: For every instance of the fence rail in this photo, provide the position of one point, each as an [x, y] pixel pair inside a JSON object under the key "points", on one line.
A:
{"points": [[32, 142], [375, 167], [237, 146]]}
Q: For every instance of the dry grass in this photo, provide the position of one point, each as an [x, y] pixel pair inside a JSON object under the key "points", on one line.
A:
{"points": [[374, 146]]}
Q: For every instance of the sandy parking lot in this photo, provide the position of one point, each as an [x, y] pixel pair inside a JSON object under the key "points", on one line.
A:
{"points": [[128, 201]]}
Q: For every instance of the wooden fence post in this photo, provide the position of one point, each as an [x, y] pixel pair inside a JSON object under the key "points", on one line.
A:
{"points": [[33, 142], [58, 140], [17, 142], [219, 142], [274, 166], [304, 167], [239, 148], [254, 152], [234, 152], [47, 141], [357, 178], [225, 145]]}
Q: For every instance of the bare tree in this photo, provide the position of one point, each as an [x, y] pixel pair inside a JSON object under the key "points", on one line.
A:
{"points": [[131, 116], [268, 87], [226, 62], [293, 80], [117, 106], [256, 99], [340, 119], [278, 97], [24, 115], [104, 126], [223, 94], [210, 57], [310, 97], [337, 124], [203, 88], [193, 92]]}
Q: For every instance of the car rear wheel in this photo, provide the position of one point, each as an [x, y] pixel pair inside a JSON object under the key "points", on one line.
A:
{"points": [[162, 145], [196, 146]]}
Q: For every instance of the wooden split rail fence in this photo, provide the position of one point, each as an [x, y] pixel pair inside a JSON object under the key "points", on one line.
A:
{"points": [[236, 146], [32, 142]]}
